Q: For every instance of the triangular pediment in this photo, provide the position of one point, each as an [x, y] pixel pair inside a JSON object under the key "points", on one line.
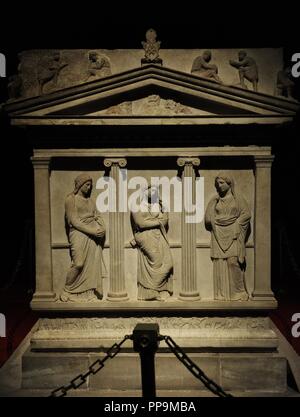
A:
{"points": [[153, 92]]}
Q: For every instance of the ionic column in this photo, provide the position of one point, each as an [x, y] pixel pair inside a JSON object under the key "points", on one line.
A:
{"points": [[43, 255], [262, 228], [117, 290], [189, 290]]}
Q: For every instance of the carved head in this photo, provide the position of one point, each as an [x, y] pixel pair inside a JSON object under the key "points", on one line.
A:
{"points": [[84, 183], [223, 183], [206, 56], [151, 194]]}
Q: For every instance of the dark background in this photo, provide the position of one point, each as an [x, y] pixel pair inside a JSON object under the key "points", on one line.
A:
{"points": [[178, 26]]}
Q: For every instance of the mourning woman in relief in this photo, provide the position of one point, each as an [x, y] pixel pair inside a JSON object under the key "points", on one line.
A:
{"points": [[227, 217], [149, 226], [86, 234]]}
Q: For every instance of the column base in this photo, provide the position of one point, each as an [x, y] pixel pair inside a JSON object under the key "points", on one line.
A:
{"points": [[192, 296], [47, 295], [117, 296], [43, 296], [263, 295]]}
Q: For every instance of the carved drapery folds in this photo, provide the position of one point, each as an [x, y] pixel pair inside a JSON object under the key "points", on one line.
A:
{"points": [[193, 270], [202, 67], [228, 217]]}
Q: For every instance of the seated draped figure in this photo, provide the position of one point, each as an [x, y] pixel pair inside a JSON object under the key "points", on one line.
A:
{"points": [[227, 217], [86, 234], [149, 225], [203, 68]]}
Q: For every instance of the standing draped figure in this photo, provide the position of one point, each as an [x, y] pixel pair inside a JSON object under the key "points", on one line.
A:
{"points": [[155, 270], [228, 217], [86, 233]]}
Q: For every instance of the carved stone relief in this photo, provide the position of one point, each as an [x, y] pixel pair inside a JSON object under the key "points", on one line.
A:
{"points": [[45, 71], [151, 105], [204, 69], [285, 84], [99, 66], [86, 233], [122, 323], [48, 70], [227, 217], [188, 331], [151, 48], [42, 72], [247, 69], [155, 261]]}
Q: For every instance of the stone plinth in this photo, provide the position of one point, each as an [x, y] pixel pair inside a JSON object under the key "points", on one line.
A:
{"points": [[189, 332], [223, 347], [234, 372]]}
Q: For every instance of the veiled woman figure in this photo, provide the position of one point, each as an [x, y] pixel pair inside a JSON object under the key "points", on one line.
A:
{"points": [[149, 224], [228, 217], [86, 233]]}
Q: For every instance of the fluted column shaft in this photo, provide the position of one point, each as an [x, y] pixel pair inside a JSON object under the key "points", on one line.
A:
{"points": [[117, 288], [188, 233]]}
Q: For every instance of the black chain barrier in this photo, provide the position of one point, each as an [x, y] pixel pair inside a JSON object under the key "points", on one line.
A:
{"points": [[115, 349], [194, 369], [93, 370]]}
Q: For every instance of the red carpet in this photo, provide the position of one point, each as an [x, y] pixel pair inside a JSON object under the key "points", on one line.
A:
{"points": [[19, 321]]}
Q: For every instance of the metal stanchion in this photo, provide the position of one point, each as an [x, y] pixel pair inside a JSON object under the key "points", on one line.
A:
{"points": [[145, 342]]}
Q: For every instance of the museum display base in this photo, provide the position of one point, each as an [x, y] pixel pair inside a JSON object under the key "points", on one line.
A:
{"points": [[247, 362], [238, 353]]}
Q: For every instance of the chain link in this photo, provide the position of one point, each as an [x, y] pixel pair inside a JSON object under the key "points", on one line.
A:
{"points": [[93, 369], [193, 368]]}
